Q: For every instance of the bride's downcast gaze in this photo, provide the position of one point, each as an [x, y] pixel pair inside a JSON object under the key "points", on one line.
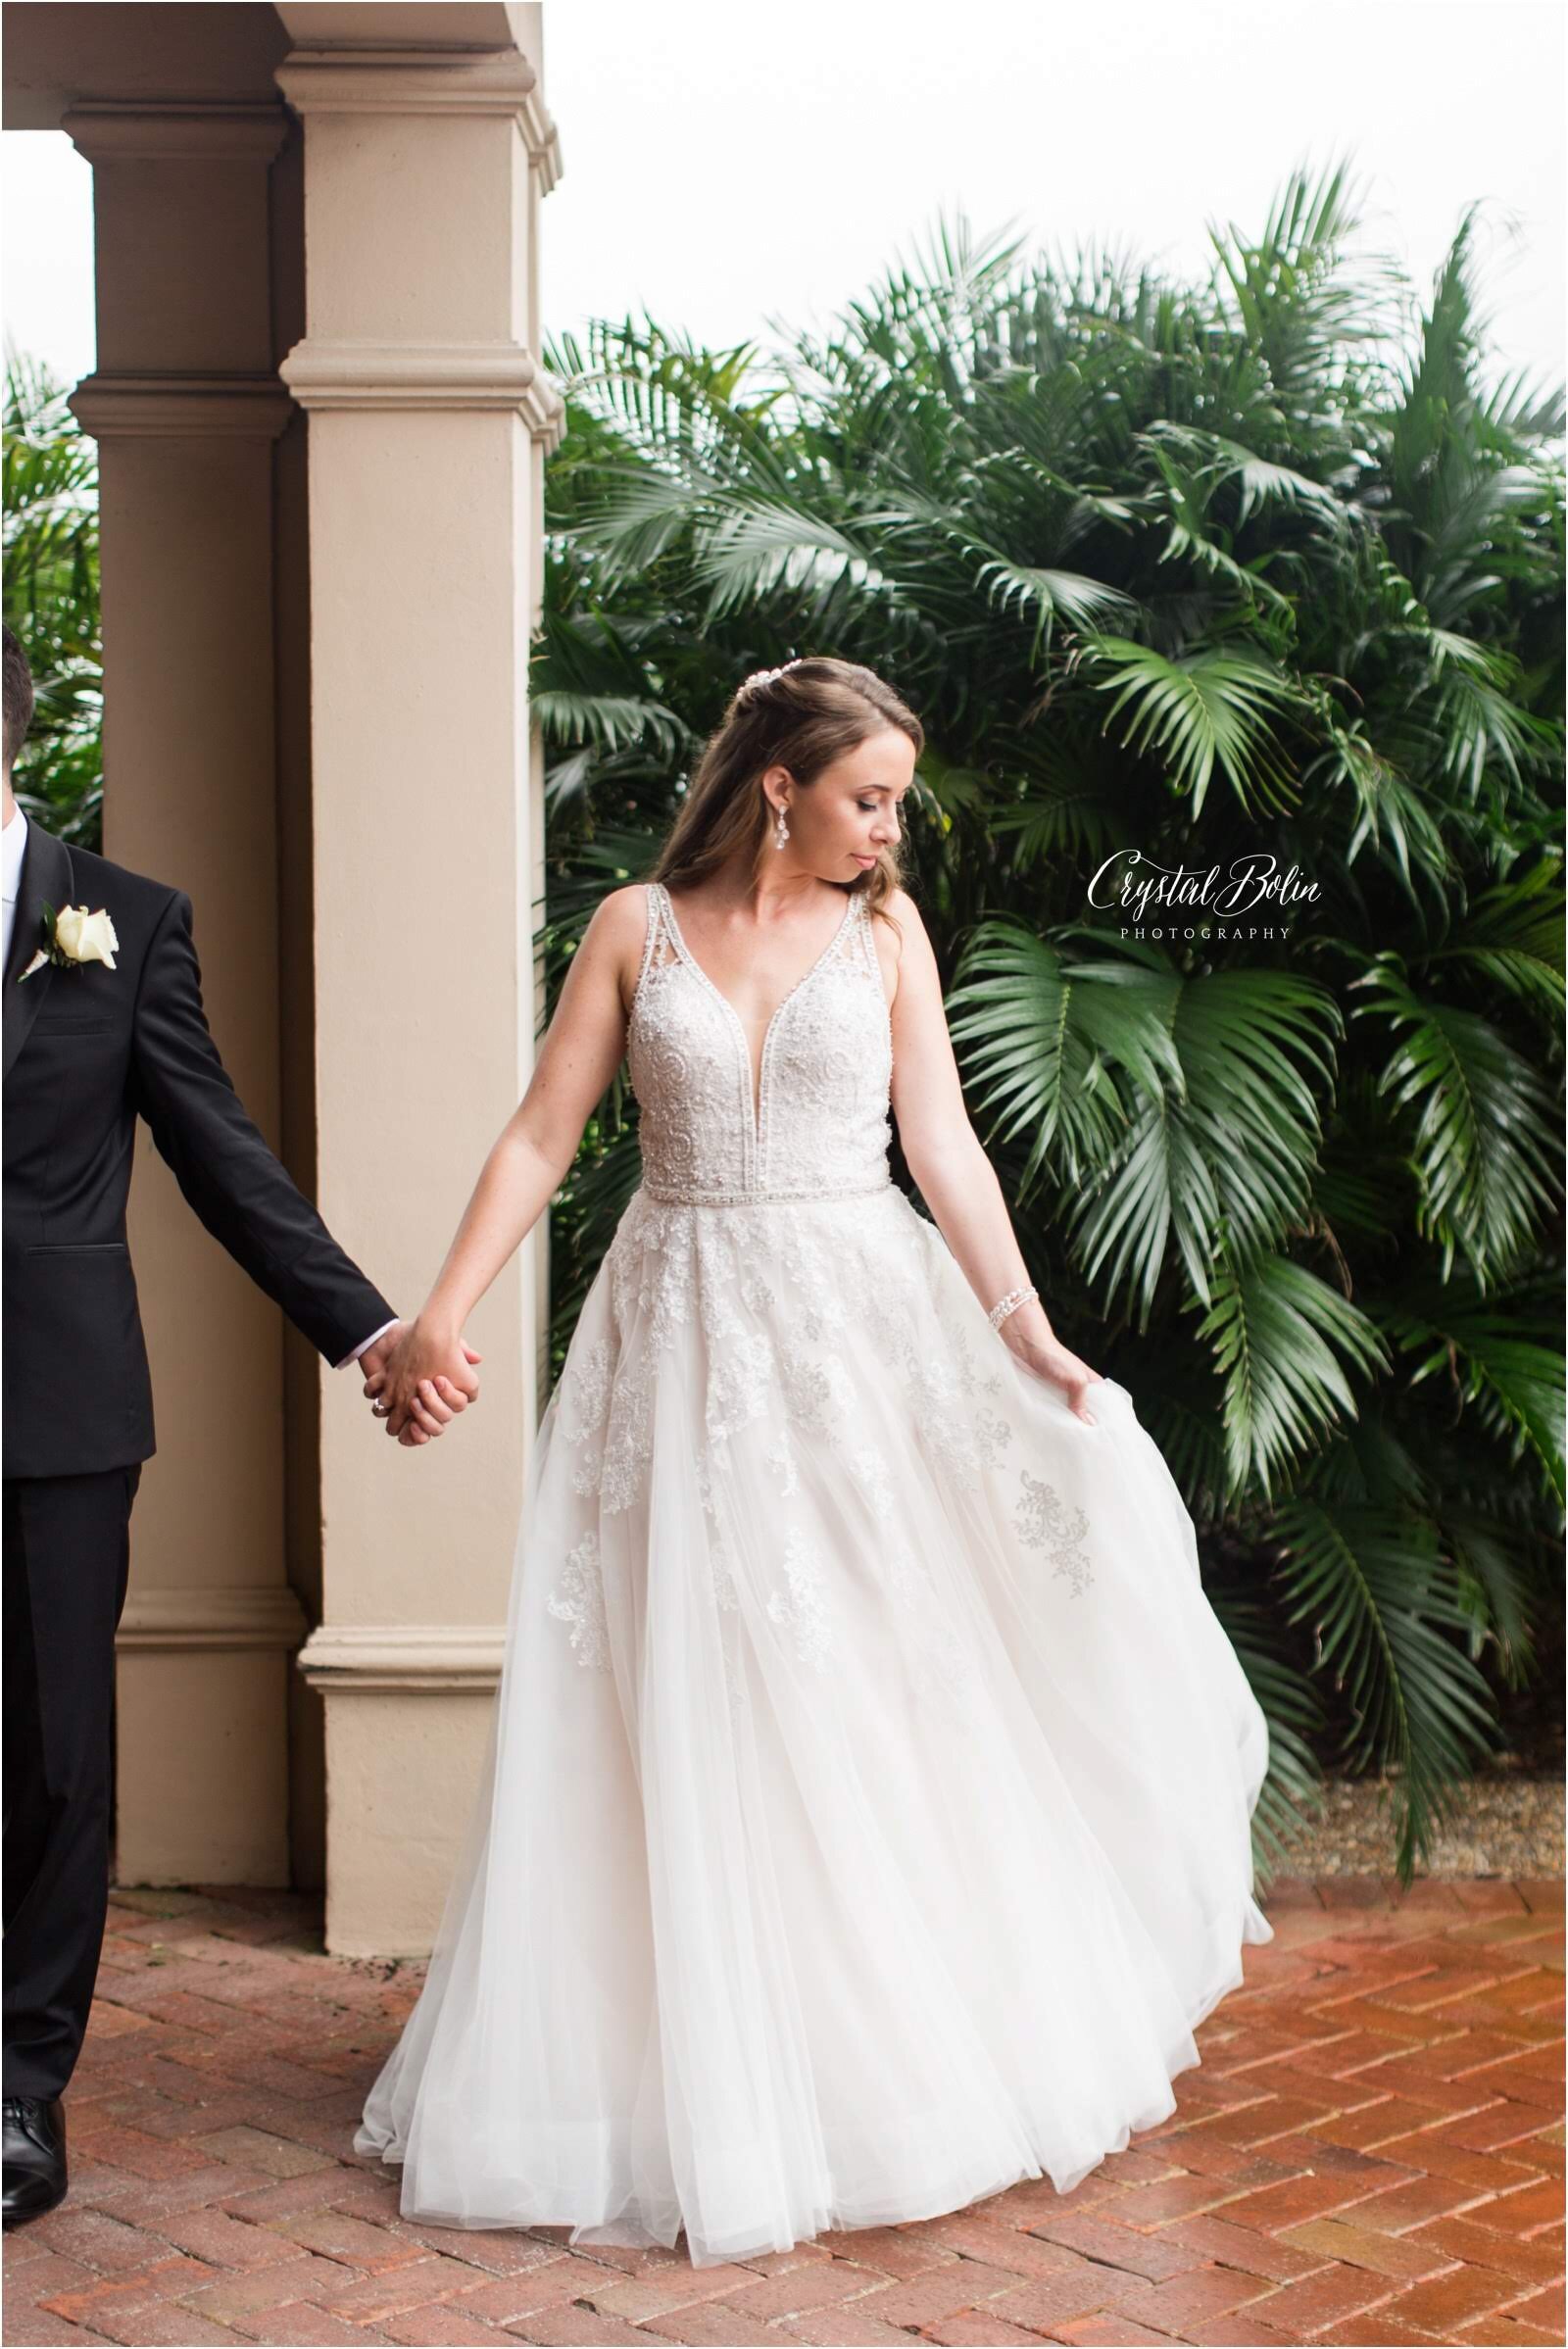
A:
{"points": [[865, 1822]]}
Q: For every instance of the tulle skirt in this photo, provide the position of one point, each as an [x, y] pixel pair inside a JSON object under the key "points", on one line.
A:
{"points": [[864, 1824]]}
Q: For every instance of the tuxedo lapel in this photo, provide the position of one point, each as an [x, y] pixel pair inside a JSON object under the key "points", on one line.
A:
{"points": [[46, 880]]}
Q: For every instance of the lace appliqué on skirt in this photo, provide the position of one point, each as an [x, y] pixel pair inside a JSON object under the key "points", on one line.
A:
{"points": [[800, 1605], [1045, 1523], [578, 1602]]}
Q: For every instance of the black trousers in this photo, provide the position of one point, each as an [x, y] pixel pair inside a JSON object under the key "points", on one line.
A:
{"points": [[66, 1560]]}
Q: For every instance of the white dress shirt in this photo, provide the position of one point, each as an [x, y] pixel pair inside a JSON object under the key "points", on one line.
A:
{"points": [[13, 841], [364, 1343], [13, 844]]}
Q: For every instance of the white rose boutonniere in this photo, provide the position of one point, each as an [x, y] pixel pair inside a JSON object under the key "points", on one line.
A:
{"points": [[74, 936]]}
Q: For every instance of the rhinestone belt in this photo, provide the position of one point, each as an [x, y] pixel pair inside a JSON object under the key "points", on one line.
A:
{"points": [[762, 1198]]}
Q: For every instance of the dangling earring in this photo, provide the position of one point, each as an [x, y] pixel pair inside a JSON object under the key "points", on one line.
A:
{"points": [[781, 830]]}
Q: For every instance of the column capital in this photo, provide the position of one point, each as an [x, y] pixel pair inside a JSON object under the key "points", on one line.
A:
{"points": [[113, 130], [115, 406], [423, 81], [322, 373]]}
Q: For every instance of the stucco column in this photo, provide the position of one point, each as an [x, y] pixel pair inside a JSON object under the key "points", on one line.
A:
{"points": [[185, 406], [428, 419]]}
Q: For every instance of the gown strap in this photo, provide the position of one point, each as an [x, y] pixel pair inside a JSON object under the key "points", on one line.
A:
{"points": [[658, 945], [863, 937]]}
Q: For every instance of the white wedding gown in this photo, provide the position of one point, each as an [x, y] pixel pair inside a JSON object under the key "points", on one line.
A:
{"points": [[865, 1821]]}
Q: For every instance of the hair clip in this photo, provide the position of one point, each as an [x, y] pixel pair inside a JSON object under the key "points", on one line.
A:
{"points": [[763, 676]]}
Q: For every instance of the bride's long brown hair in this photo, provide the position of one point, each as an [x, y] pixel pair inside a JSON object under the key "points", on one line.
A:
{"points": [[802, 717]]}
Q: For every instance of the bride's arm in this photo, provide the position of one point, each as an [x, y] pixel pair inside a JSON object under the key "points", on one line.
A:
{"points": [[947, 1160], [528, 1164]]}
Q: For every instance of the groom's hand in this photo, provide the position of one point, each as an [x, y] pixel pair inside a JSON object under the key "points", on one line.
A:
{"points": [[374, 1359], [433, 1406], [421, 1383]]}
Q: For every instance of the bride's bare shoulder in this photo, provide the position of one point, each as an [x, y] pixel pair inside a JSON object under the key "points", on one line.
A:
{"points": [[616, 934], [625, 906], [897, 935], [901, 906], [903, 925]]}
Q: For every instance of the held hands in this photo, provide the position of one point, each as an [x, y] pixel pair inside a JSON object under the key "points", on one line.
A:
{"points": [[419, 1379]]}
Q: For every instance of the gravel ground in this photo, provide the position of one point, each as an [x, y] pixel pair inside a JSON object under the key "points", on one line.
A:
{"points": [[1508, 1823]]}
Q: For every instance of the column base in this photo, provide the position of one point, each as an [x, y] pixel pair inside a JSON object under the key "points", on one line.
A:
{"points": [[205, 1802], [409, 1711]]}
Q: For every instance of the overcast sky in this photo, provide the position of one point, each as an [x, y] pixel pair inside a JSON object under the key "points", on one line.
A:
{"points": [[726, 165]]}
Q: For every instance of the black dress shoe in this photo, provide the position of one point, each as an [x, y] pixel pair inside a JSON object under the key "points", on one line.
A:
{"points": [[35, 2157]]}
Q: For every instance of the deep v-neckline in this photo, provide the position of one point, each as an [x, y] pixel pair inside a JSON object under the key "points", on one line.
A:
{"points": [[755, 1080]]}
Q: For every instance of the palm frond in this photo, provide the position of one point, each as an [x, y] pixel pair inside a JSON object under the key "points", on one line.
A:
{"points": [[1483, 1136], [1284, 1343], [1512, 933], [1207, 711], [1510, 1378], [1229, 1147], [1385, 1612]]}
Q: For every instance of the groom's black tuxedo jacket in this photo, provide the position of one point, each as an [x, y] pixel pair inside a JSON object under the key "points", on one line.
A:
{"points": [[86, 1052]]}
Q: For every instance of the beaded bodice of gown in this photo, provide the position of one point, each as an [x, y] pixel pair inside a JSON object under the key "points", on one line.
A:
{"points": [[820, 1127]]}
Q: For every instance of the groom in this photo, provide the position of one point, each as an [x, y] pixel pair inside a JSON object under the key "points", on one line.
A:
{"points": [[103, 1022]]}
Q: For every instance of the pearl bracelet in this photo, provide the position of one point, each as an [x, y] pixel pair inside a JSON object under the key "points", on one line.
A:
{"points": [[1010, 1304]]}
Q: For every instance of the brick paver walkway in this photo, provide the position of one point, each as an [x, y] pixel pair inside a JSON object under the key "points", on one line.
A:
{"points": [[1371, 2151]]}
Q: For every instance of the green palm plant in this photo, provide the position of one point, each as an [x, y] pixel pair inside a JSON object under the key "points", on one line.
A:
{"points": [[1244, 569], [51, 599]]}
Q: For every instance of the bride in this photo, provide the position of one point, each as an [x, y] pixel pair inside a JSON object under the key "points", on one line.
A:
{"points": [[865, 1823]]}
